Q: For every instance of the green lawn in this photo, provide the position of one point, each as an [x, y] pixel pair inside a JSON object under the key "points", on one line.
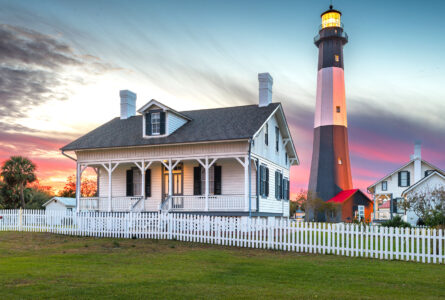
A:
{"points": [[41, 265]]}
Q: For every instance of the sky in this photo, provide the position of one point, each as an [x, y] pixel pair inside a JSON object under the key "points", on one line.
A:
{"points": [[62, 64]]}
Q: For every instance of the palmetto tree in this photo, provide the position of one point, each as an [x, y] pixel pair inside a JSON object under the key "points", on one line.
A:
{"points": [[18, 171]]}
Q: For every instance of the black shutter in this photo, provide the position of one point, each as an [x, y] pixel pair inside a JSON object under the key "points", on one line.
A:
{"points": [[262, 177], [276, 185], [148, 183], [400, 178], [130, 182], [218, 185], [408, 178], [267, 182], [148, 124], [162, 118], [197, 180], [258, 177]]}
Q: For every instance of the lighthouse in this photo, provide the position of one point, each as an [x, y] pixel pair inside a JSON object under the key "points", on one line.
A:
{"points": [[330, 168]]}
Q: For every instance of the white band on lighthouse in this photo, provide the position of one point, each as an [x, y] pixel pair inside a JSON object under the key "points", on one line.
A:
{"points": [[330, 106]]}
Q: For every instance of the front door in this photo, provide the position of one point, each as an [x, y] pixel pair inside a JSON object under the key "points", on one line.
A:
{"points": [[177, 181]]}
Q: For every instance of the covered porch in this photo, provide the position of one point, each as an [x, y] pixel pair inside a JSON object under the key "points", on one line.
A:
{"points": [[201, 184]]}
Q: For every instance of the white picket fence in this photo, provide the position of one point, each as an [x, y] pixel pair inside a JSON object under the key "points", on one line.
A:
{"points": [[415, 244]]}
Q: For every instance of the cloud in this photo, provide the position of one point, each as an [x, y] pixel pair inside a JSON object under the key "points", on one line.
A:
{"points": [[36, 68]]}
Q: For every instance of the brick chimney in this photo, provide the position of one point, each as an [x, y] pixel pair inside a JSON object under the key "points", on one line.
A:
{"points": [[265, 91], [128, 104], [417, 157]]}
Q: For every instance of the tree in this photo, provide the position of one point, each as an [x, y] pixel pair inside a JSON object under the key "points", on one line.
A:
{"points": [[17, 172], [38, 195], [318, 210], [428, 204], [88, 187]]}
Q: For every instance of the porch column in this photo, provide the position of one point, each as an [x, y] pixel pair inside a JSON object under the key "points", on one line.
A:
{"points": [[246, 183], [170, 179], [110, 170], [142, 179], [207, 187], [109, 186], [78, 187], [207, 165], [245, 164]]}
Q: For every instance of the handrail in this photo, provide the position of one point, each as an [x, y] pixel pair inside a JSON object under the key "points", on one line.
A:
{"points": [[136, 203], [164, 202]]}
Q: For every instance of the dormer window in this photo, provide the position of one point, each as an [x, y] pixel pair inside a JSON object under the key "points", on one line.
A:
{"points": [[156, 123], [160, 120]]}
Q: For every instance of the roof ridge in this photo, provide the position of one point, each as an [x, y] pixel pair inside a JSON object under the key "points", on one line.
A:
{"points": [[227, 107]]}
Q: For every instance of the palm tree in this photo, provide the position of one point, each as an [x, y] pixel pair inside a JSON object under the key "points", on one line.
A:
{"points": [[19, 171]]}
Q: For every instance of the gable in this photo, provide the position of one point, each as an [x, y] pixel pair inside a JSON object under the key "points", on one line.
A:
{"points": [[425, 166], [432, 181], [267, 148]]}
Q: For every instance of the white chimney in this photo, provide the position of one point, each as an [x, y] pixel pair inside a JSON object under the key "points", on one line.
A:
{"points": [[266, 82], [128, 104], [417, 157]]}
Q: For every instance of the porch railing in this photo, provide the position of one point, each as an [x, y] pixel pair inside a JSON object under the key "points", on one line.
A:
{"points": [[117, 203], [216, 203]]}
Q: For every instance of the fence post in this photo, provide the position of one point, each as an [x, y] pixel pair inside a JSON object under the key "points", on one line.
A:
{"points": [[21, 219]]}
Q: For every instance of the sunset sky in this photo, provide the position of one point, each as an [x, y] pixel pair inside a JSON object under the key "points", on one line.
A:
{"points": [[63, 63]]}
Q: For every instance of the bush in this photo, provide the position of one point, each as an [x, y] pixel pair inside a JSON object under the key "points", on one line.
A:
{"points": [[435, 219], [396, 222]]}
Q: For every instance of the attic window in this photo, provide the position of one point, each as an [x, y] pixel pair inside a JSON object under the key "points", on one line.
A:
{"points": [[155, 123]]}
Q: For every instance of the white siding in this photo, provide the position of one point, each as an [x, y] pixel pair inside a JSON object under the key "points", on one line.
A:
{"points": [[393, 183], [274, 160], [269, 151], [271, 204], [174, 122]]}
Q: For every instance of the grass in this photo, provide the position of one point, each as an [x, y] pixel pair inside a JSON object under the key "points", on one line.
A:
{"points": [[41, 265]]}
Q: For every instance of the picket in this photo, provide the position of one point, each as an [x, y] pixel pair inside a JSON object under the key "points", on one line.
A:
{"points": [[425, 245]]}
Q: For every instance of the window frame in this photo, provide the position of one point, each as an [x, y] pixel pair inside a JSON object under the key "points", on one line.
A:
{"points": [[384, 185], [277, 138], [401, 178], [155, 124], [266, 134]]}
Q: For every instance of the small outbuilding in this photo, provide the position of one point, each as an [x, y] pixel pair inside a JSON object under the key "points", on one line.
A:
{"points": [[354, 204], [60, 204]]}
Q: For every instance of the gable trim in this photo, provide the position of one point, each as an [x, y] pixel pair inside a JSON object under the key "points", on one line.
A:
{"points": [[422, 181], [289, 136]]}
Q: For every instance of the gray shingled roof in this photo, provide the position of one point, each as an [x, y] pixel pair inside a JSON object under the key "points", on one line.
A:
{"points": [[206, 125]]}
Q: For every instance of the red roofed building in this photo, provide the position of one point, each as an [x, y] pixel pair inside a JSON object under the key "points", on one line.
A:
{"points": [[353, 204]]}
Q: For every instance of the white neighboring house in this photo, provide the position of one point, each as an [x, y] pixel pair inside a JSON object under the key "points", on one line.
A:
{"points": [[223, 161], [60, 204], [393, 188], [428, 183]]}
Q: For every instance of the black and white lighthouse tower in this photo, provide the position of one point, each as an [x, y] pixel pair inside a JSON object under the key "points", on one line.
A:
{"points": [[330, 169]]}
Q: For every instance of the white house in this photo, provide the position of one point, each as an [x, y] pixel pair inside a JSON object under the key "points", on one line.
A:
{"points": [[60, 204], [392, 189], [223, 161]]}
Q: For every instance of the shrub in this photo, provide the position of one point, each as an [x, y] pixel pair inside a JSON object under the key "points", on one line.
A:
{"points": [[435, 219], [396, 222]]}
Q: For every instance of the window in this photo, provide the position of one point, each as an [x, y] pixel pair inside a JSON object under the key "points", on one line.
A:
{"points": [[264, 181], [404, 179], [278, 185], [339, 161], [155, 123], [337, 58], [285, 158], [428, 172], [384, 185], [266, 134], [361, 212], [277, 138], [337, 109]]}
